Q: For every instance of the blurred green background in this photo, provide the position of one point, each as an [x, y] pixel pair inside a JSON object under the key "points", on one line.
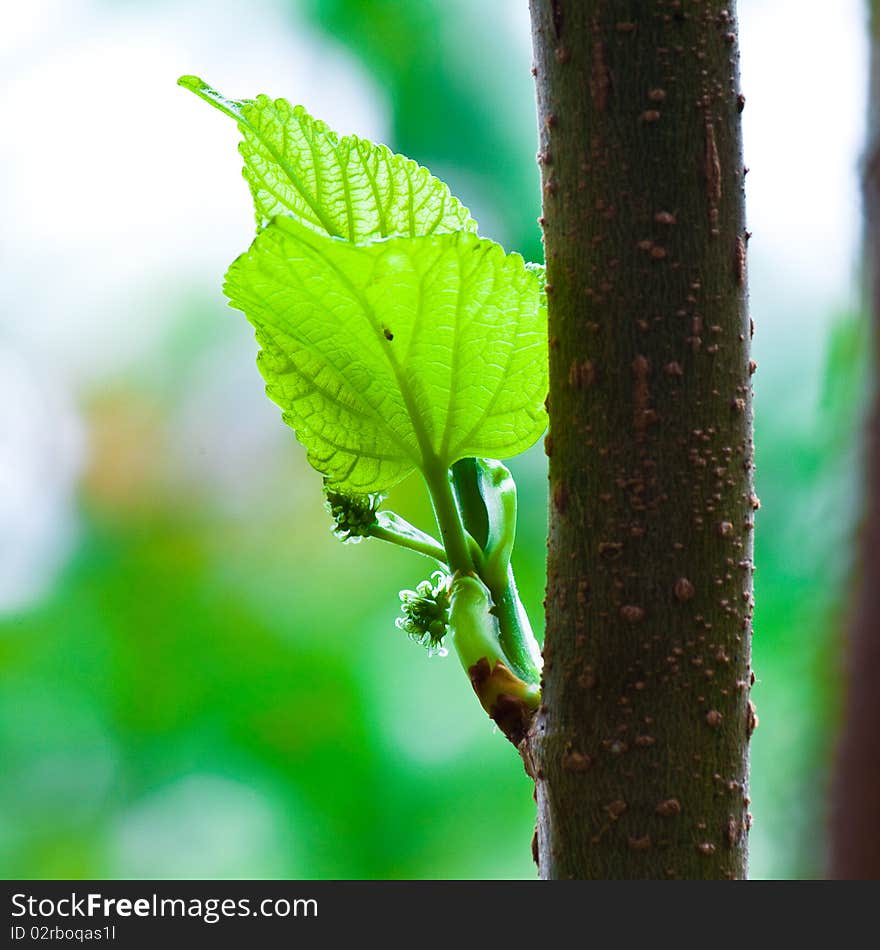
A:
{"points": [[197, 679]]}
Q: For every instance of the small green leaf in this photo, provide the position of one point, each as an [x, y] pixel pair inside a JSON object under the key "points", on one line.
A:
{"points": [[397, 355], [342, 186]]}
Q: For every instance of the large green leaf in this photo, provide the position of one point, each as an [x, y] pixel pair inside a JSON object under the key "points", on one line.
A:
{"points": [[347, 187], [397, 355]]}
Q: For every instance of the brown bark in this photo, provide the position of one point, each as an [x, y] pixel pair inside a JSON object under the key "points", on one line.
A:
{"points": [[855, 820], [640, 751]]}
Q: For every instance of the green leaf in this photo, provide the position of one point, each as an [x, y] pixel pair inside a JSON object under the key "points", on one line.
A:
{"points": [[397, 355], [346, 187]]}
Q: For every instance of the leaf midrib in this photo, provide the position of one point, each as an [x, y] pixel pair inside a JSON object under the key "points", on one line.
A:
{"points": [[238, 115], [374, 412], [419, 429]]}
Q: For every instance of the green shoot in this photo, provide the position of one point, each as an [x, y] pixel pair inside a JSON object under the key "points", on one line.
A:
{"points": [[396, 340]]}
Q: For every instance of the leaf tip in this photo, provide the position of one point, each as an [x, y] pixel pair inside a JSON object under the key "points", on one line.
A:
{"points": [[192, 82], [197, 85]]}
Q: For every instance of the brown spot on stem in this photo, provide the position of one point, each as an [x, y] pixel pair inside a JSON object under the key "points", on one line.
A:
{"points": [[739, 261], [600, 78], [641, 370], [479, 673], [669, 808], [574, 761], [581, 374], [512, 715], [500, 694], [712, 169], [684, 589], [732, 832], [751, 719], [560, 498]]}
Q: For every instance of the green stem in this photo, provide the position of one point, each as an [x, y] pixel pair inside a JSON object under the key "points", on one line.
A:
{"points": [[396, 530], [477, 553], [458, 555], [515, 631], [517, 640]]}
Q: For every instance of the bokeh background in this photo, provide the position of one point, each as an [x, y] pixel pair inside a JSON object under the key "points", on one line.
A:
{"points": [[196, 679]]}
